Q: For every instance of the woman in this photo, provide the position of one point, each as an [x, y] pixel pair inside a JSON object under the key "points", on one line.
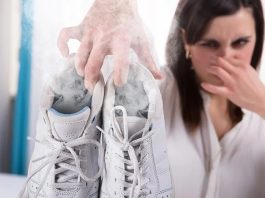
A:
{"points": [[215, 117]]}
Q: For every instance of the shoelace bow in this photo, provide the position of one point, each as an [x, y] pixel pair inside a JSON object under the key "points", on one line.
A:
{"points": [[135, 185], [64, 155]]}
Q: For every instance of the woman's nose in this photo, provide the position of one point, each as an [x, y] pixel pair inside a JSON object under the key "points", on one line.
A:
{"points": [[226, 52]]}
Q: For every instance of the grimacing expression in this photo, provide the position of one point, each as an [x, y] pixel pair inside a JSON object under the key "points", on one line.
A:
{"points": [[230, 37]]}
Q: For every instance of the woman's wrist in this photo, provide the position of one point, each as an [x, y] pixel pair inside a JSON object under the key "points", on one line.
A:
{"points": [[260, 109]]}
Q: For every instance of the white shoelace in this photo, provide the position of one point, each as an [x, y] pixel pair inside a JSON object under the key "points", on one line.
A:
{"points": [[64, 155], [135, 184]]}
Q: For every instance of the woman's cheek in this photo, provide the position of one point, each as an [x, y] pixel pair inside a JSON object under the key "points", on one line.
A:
{"points": [[246, 55], [201, 60]]}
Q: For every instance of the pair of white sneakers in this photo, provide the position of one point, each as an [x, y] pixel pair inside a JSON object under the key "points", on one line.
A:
{"points": [[78, 155]]}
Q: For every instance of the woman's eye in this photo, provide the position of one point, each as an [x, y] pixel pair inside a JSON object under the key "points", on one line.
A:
{"points": [[240, 43], [210, 44]]}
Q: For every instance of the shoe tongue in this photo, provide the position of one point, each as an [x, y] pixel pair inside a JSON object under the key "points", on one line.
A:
{"points": [[67, 127], [134, 124]]}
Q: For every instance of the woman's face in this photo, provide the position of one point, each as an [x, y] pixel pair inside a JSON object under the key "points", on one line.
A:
{"points": [[230, 37]]}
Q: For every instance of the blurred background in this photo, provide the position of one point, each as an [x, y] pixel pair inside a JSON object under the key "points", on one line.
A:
{"points": [[28, 54]]}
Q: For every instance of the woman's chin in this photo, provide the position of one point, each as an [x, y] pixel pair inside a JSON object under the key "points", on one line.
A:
{"points": [[215, 81]]}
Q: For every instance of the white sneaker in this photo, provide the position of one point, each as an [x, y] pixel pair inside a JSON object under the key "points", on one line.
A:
{"points": [[136, 163], [67, 158]]}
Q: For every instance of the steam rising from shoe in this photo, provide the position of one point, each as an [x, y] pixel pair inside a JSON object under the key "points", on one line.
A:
{"points": [[70, 93], [132, 96]]}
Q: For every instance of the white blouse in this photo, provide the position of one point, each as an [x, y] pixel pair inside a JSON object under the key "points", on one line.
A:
{"points": [[204, 167]]}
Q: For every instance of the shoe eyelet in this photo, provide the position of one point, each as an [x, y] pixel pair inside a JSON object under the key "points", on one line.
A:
{"points": [[150, 127]]}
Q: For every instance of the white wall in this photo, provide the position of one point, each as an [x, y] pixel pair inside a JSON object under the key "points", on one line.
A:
{"points": [[8, 64]]}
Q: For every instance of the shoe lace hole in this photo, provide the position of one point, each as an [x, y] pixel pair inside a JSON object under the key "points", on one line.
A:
{"points": [[151, 127]]}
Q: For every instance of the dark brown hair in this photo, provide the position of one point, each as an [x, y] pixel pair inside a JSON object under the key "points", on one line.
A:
{"points": [[194, 17]]}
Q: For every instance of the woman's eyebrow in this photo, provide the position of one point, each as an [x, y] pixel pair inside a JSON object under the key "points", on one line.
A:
{"points": [[208, 40], [215, 40], [242, 37]]}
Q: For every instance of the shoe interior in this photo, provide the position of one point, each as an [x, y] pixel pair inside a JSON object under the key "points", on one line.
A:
{"points": [[133, 97], [70, 94]]}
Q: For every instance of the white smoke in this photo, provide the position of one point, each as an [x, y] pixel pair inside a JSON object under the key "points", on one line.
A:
{"points": [[132, 96], [70, 94]]}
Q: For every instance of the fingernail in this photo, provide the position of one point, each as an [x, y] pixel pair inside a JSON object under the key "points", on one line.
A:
{"points": [[79, 69], [65, 52], [161, 76], [124, 77], [89, 86], [120, 78], [158, 75], [203, 85], [80, 72], [118, 82]]}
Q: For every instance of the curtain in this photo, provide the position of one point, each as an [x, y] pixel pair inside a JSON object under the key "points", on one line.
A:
{"points": [[22, 101]]}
